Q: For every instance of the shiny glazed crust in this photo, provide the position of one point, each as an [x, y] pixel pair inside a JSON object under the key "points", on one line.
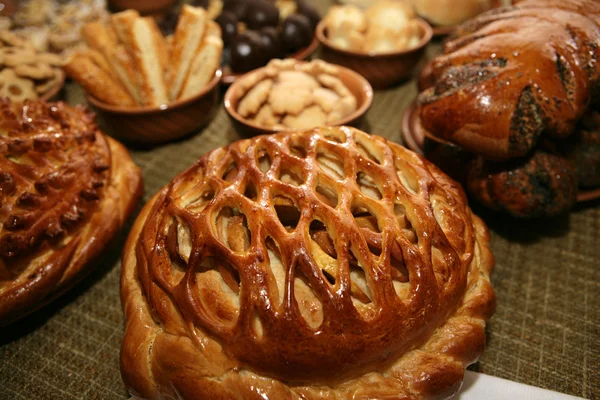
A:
{"points": [[541, 185], [65, 191], [512, 75], [327, 264]]}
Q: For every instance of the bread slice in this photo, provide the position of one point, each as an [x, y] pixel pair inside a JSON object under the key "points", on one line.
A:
{"points": [[212, 29], [147, 53], [186, 40], [100, 83], [161, 44], [104, 39], [204, 65], [99, 60]]}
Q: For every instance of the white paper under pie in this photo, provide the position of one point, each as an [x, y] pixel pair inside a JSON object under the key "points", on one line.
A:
{"points": [[485, 387]]}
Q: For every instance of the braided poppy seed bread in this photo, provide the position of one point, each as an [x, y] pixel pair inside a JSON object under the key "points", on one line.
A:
{"points": [[65, 191], [513, 75], [327, 264], [510, 88]]}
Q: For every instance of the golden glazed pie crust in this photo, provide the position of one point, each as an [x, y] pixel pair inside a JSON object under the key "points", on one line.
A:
{"points": [[65, 191], [304, 322]]}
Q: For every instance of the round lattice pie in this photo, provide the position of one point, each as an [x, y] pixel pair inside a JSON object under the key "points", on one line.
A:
{"points": [[65, 191], [327, 264]]}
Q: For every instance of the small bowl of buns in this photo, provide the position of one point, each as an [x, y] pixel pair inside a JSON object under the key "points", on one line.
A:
{"points": [[291, 95], [148, 88], [384, 43], [26, 73]]}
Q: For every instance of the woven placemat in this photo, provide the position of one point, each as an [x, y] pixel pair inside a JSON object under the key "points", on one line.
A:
{"points": [[546, 330]]}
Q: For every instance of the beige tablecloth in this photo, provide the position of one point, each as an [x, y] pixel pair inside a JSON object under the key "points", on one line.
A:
{"points": [[546, 330]]}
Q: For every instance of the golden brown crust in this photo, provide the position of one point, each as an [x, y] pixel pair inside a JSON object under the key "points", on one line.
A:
{"points": [[148, 52], [513, 75], [541, 185], [584, 151], [242, 278], [96, 80], [65, 190], [103, 38], [186, 39]]}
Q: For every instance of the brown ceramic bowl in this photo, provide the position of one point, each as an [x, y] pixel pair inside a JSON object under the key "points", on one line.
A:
{"points": [[155, 125], [382, 70], [143, 6], [359, 86], [229, 76]]}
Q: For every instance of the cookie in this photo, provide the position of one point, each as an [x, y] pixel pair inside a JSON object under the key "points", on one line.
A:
{"points": [[290, 98], [53, 60], [310, 117], [15, 87], [334, 83], [343, 108], [37, 71], [11, 39], [255, 98], [266, 117], [14, 56], [325, 98], [49, 84], [298, 77], [316, 67]]}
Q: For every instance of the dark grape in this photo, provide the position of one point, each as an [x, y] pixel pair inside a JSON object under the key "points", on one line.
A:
{"points": [[228, 23], [262, 13], [296, 33], [247, 52], [308, 11], [271, 42], [238, 7]]}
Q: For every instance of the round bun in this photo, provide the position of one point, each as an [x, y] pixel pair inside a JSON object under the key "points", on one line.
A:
{"points": [[450, 12], [326, 264], [65, 190]]}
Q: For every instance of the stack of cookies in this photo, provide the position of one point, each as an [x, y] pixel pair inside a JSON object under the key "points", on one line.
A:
{"points": [[26, 73], [293, 95]]}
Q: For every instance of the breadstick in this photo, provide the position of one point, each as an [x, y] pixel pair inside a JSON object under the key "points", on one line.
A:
{"points": [[98, 82], [186, 40], [139, 37], [103, 39]]}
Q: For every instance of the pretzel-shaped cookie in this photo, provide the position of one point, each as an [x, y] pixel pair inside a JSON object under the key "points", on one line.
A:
{"points": [[322, 264], [65, 189]]}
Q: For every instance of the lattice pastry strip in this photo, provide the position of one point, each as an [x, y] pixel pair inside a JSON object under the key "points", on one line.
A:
{"points": [[307, 257]]}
